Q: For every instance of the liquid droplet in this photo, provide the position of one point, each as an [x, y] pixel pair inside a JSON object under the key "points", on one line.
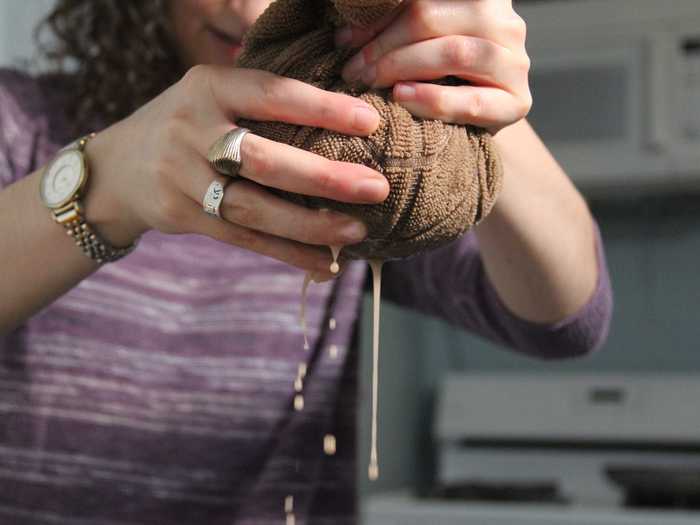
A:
{"points": [[298, 402], [333, 351], [289, 504], [335, 252], [290, 519], [298, 384], [331, 323], [302, 370], [373, 472], [329, 444]]}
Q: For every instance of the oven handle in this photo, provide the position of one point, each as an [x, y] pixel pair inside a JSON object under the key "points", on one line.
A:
{"points": [[661, 56]]}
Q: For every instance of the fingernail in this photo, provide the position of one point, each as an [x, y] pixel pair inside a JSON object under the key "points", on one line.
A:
{"points": [[354, 67], [343, 36], [369, 75], [353, 232], [404, 92], [370, 190], [365, 119]]}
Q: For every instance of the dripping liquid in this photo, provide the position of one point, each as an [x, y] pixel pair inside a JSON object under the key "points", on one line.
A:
{"points": [[302, 313], [376, 266], [289, 510], [329, 442], [335, 251]]}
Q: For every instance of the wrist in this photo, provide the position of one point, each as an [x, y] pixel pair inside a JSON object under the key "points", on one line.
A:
{"points": [[105, 207]]}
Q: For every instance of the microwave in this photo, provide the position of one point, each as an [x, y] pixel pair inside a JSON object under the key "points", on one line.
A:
{"points": [[616, 91]]}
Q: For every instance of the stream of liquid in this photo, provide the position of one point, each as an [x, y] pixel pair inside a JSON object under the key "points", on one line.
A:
{"points": [[302, 313], [376, 266]]}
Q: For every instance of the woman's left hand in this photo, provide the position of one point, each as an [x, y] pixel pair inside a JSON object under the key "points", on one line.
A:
{"points": [[480, 41]]}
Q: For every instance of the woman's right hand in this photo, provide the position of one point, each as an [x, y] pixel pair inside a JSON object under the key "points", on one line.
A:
{"points": [[149, 171]]}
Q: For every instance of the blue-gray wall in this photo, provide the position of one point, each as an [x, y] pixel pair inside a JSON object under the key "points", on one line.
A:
{"points": [[17, 21]]}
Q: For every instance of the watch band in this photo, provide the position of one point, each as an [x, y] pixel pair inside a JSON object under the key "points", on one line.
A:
{"points": [[72, 218], [92, 245]]}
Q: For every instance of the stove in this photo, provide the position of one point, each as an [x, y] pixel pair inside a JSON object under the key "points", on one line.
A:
{"points": [[560, 449]]}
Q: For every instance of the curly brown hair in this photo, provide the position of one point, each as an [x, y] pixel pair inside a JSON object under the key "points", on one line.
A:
{"points": [[120, 54]]}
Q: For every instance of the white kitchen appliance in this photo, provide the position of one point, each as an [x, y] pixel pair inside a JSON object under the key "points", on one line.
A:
{"points": [[560, 449], [616, 86]]}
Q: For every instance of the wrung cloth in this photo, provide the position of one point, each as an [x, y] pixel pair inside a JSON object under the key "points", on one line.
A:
{"points": [[444, 178]]}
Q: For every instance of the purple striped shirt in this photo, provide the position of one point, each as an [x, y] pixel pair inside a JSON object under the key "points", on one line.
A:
{"points": [[160, 389]]}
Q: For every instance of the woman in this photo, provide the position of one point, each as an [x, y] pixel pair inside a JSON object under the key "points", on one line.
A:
{"points": [[159, 388]]}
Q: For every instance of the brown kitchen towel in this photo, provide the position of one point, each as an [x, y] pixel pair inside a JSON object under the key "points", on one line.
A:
{"points": [[444, 178]]}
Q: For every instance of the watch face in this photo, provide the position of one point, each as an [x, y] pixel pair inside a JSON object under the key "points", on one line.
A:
{"points": [[62, 179]]}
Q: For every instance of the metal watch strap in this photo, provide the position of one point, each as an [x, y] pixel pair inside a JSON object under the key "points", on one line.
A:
{"points": [[72, 218]]}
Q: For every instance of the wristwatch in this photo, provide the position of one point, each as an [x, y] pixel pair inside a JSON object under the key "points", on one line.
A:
{"points": [[62, 186]]}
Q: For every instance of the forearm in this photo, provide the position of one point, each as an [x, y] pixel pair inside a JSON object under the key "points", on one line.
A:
{"points": [[38, 261], [538, 244]]}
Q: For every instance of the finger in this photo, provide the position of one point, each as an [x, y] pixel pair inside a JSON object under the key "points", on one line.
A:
{"points": [[284, 167], [474, 59], [263, 96], [292, 169], [250, 205], [426, 20], [353, 36], [485, 107], [181, 211], [309, 258], [418, 21]]}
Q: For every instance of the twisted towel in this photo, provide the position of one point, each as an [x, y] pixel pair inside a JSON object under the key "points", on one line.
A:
{"points": [[444, 178]]}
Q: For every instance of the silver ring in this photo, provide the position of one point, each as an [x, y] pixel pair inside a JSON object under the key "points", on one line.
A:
{"points": [[213, 198], [225, 154]]}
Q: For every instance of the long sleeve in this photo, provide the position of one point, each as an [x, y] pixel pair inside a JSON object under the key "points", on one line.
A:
{"points": [[451, 283], [32, 122], [17, 126]]}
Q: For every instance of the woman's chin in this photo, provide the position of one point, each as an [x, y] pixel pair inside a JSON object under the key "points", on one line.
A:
{"points": [[219, 55], [234, 51], [224, 51]]}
